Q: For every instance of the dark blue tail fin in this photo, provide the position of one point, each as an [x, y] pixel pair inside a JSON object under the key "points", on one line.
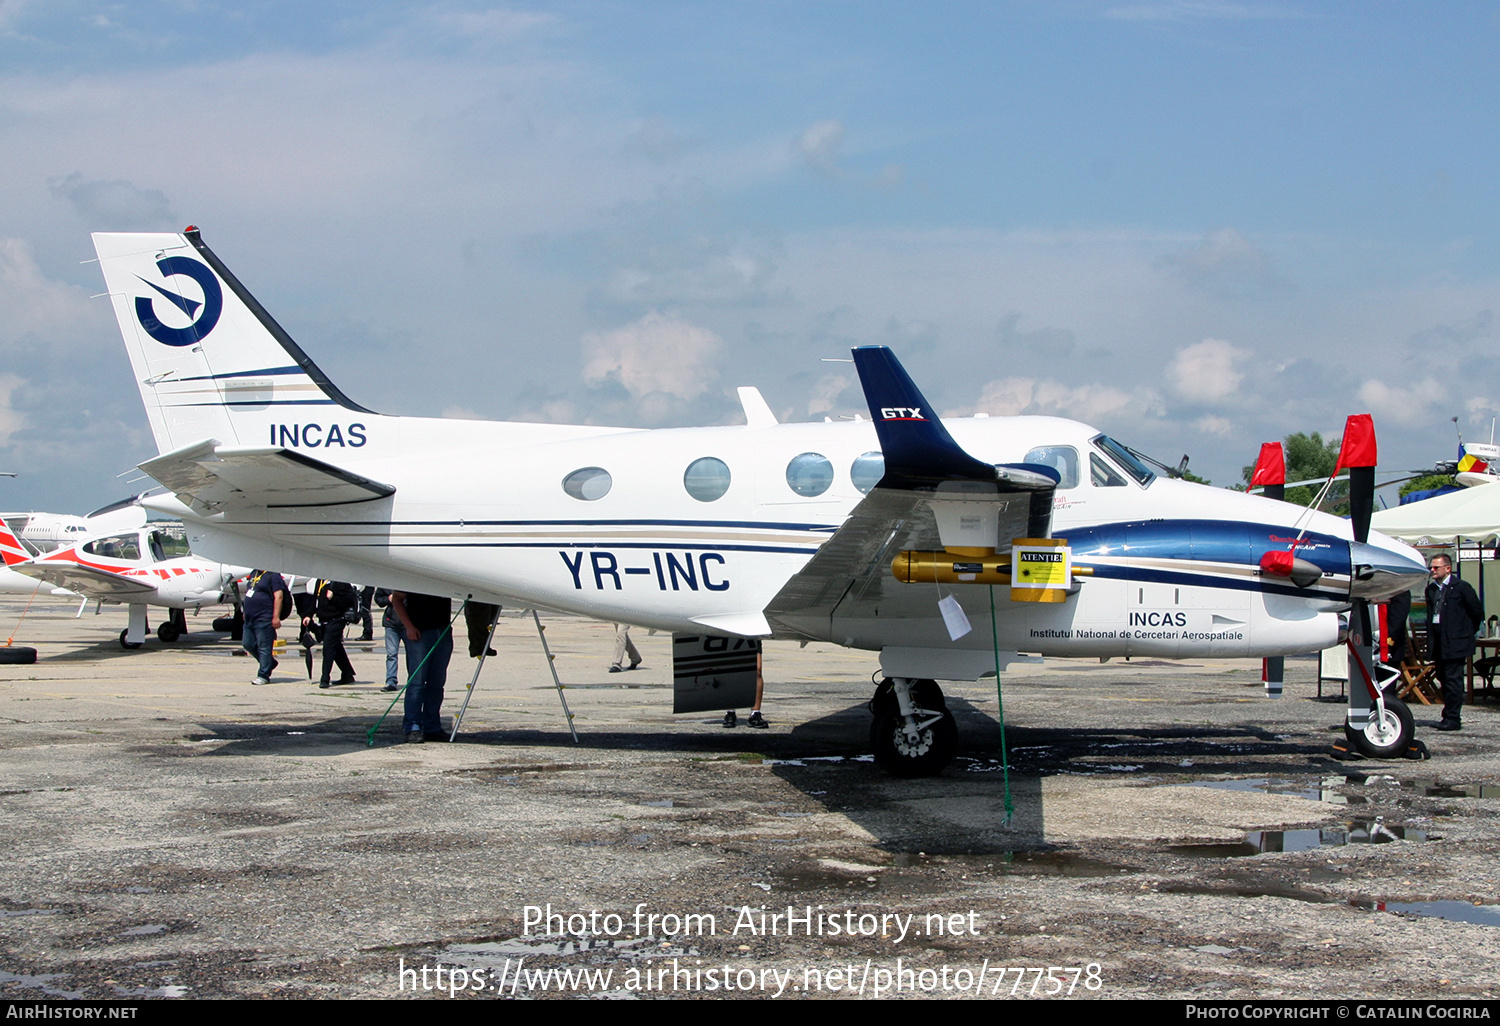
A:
{"points": [[918, 450]]}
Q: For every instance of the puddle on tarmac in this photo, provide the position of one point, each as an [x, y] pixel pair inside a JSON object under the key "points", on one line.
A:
{"points": [[1453, 911], [1260, 842], [1434, 789], [1322, 790]]}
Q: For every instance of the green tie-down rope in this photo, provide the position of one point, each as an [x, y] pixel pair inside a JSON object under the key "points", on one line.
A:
{"points": [[1010, 806], [370, 734]]}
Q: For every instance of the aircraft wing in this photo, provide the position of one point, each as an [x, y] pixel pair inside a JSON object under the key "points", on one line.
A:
{"points": [[212, 478], [87, 580], [853, 568], [851, 572]]}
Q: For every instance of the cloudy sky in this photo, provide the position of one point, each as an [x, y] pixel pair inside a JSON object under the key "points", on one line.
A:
{"points": [[1199, 225]]}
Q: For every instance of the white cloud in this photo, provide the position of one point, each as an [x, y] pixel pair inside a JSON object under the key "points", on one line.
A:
{"points": [[1482, 407], [492, 26], [114, 206], [826, 394], [1408, 404], [34, 304], [1008, 397], [11, 419], [1201, 10], [1211, 425], [660, 353], [1225, 263], [1204, 372], [820, 146]]}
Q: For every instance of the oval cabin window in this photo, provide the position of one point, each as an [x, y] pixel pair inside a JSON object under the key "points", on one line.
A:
{"points": [[809, 474], [706, 479], [588, 484]]}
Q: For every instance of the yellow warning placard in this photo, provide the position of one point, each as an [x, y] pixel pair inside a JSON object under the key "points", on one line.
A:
{"points": [[1041, 570]]}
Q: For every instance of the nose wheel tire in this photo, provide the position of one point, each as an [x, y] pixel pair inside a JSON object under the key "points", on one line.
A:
{"points": [[901, 756], [168, 631], [1385, 737]]}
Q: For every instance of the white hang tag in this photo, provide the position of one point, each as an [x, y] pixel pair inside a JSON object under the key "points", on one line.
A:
{"points": [[953, 617]]}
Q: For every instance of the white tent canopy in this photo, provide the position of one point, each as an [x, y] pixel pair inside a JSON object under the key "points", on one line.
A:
{"points": [[1472, 513]]}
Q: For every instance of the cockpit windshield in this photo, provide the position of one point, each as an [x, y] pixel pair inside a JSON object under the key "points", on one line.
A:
{"points": [[1122, 458]]}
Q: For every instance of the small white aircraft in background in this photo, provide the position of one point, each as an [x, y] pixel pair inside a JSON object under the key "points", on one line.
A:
{"points": [[890, 535], [43, 532], [147, 566]]}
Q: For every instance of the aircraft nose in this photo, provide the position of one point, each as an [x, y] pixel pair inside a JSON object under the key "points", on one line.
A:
{"points": [[1379, 572]]}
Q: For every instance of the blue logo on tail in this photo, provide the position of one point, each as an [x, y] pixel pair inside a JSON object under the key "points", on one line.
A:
{"points": [[211, 307]]}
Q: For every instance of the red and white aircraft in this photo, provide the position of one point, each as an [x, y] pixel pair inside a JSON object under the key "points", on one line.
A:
{"points": [[147, 566]]}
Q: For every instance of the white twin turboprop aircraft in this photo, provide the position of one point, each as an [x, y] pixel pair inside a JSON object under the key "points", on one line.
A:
{"points": [[783, 531]]}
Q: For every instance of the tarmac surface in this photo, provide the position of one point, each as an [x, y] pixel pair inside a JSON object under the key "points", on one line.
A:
{"points": [[173, 831]]}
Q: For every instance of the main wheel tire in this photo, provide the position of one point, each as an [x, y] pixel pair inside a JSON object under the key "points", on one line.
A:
{"points": [[17, 655], [900, 757], [128, 645], [1388, 738], [168, 632]]}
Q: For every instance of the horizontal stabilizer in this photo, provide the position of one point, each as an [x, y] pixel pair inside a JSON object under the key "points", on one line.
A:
{"points": [[746, 625], [212, 478]]}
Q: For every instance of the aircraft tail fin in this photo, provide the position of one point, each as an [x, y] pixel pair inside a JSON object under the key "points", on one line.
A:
{"points": [[209, 360], [918, 448], [11, 549]]}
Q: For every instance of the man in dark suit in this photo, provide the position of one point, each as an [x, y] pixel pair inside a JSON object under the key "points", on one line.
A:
{"points": [[336, 605], [1453, 618]]}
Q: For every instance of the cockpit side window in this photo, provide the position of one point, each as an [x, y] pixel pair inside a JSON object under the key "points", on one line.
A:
{"points": [[1061, 458], [120, 546], [1122, 458], [1101, 475]]}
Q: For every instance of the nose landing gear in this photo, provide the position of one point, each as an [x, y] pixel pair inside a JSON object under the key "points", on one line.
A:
{"points": [[914, 734]]}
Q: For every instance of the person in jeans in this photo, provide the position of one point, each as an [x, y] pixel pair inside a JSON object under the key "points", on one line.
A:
{"points": [[267, 600], [429, 645], [394, 633]]}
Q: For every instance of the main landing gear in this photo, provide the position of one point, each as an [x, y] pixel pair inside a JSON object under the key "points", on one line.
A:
{"points": [[914, 734], [1388, 732], [172, 628]]}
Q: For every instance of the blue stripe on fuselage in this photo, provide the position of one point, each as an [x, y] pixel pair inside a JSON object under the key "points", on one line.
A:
{"points": [[1207, 541]]}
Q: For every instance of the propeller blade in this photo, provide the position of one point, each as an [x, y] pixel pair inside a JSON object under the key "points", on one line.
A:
{"points": [[1357, 454], [1270, 471]]}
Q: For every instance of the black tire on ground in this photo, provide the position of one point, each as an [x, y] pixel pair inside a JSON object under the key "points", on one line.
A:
{"points": [[224, 624], [168, 632], [900, 757], [1388, 739], [17, 655], [126, 644]]}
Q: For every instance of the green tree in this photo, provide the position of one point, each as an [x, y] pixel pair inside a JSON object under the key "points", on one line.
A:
{"points": [[1423, 483]]}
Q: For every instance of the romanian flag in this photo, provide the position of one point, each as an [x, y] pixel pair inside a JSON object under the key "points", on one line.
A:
{"points": [[1468, 464]]}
